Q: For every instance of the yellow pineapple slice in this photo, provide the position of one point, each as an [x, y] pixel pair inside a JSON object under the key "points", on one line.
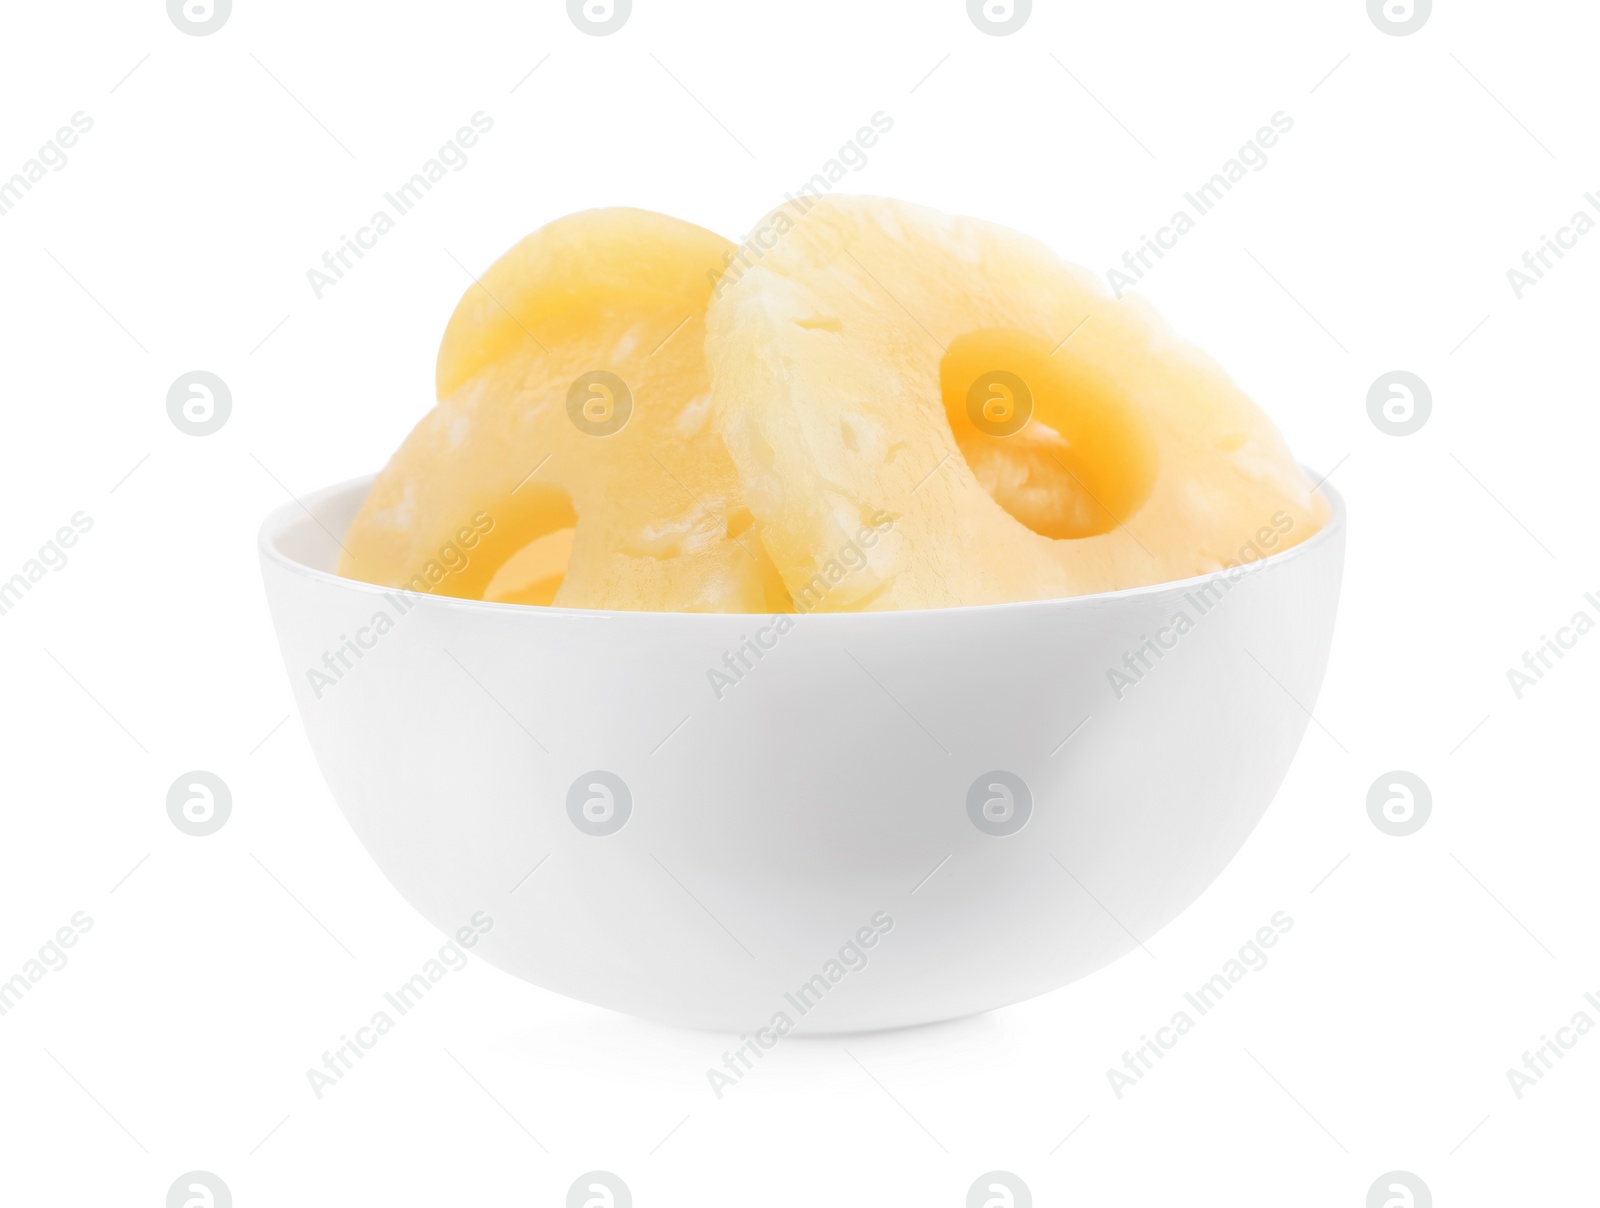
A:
{"points": [[1007, 430], [571, 459]]}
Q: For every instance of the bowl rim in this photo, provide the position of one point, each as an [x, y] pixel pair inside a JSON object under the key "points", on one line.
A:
{"points": [[282, 519]]}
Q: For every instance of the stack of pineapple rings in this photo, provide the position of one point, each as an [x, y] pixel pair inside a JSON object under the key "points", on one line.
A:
{"points": [[889, 408]]}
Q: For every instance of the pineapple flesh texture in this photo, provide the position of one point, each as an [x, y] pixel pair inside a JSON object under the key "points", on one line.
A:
{"points": [[868, 364], [500, 494]]}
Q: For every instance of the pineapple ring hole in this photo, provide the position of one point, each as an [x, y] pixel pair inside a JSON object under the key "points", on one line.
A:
{"points": [[1053, 439], [534, 573], [523, 548]]}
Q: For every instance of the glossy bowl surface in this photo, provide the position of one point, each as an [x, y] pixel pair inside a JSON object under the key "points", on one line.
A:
{"points": [[866, 820]]}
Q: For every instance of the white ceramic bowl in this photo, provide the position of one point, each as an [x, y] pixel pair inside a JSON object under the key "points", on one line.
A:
{"points": [[812, 827]]}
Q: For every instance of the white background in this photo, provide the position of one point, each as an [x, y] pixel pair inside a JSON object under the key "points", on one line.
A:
{"points": [[1378, 237]]}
